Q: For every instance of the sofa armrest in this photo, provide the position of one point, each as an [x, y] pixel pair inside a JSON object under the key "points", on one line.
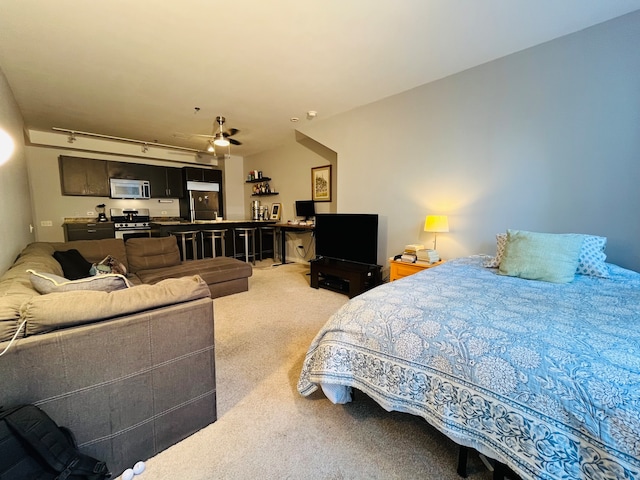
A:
{"points": [[128, 387]]}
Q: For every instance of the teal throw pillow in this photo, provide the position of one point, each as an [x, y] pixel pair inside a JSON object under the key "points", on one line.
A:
{"points": [[548, 257]]}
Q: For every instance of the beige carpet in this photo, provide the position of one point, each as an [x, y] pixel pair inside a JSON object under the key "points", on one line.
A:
{"points": [[266, 430]]}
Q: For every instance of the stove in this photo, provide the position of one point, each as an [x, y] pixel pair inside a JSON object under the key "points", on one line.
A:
{"points": [[129, 222]]}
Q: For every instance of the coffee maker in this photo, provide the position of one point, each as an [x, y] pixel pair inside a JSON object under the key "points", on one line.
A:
{"points": [[101, 215]]}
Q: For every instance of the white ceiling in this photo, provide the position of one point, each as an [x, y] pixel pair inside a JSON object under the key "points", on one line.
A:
{"points": [[137, 69]]}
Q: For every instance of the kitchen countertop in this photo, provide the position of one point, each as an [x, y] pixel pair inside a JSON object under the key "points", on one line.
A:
{"points": [[207, 222], [83, 220]]}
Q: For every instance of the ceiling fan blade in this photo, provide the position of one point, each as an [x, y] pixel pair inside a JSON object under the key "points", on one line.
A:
{"points": [[233, 141], [230, 132]]}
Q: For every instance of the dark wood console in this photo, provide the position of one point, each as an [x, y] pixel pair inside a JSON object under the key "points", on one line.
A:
{"points": [[345, 277]]}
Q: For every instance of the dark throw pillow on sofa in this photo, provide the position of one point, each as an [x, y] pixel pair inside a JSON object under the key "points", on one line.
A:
{"points": [[73, 264]]}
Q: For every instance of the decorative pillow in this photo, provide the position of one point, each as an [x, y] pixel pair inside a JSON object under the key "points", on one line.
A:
{"points": [[73, 264], [592, 257], [494, 262], [108, 264], [541, 256], [48, 283]]}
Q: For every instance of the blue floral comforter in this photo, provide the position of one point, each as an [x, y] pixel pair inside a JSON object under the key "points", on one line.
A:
{"points": [[542, 377]]}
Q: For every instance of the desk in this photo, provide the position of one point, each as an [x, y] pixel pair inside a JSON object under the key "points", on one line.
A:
{"points": [[289, 227]]}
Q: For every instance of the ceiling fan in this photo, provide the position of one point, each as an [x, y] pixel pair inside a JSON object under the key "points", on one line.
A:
{"points": [[221, 138]]}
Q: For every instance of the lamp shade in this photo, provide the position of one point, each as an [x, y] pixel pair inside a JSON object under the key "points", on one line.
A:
{"points": [[436, 223]]}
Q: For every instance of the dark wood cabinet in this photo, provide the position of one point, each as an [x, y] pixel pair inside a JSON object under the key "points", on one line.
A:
{"points": [[193, 174], [90, 177], [133, 171], [83, 176], [88, 231], [166, 182]]}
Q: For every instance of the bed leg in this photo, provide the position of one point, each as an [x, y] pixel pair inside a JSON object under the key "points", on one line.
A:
{"points": [[463, 455]]}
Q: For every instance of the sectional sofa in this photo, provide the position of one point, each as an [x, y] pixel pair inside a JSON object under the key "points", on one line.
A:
{"points": [[129, 367]]}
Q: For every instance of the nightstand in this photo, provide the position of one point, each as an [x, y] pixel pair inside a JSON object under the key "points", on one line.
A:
{"points": [[403, 269]]}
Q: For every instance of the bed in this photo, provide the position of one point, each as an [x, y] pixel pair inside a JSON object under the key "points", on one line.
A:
{"points": [[543, 377]]}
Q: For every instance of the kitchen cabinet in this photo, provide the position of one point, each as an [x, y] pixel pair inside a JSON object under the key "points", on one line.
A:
{"points": [[133, 171], [166, 182], [83, 176], [88, 231], [193, 174]]}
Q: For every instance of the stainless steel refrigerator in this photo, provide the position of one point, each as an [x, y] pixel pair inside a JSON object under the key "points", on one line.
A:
{"points": [[204, 201]]}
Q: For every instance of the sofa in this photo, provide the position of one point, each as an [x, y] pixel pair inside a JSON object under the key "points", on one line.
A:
{"points": [[129, 369]]}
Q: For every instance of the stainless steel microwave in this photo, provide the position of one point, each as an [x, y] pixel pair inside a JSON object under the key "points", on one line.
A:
{"points": [[126, 188]]}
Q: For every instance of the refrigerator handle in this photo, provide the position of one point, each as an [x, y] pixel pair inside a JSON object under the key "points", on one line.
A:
{"points": [[192, 208]]}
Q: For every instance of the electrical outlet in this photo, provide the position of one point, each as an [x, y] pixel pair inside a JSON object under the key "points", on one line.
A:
{"points": [[163, 212], [46, 223], [91, 213]]}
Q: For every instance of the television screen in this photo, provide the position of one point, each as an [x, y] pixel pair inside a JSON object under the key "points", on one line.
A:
{"points": [[347, 236], [305, 208]]}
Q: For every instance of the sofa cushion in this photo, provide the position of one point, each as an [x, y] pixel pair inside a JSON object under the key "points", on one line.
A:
{"points": [[50, 283], [212, 270], [74, 265], [58, 310], [149, 253]]}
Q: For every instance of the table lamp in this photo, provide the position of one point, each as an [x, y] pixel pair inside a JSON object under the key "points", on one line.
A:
{"points": [[436, 224]]}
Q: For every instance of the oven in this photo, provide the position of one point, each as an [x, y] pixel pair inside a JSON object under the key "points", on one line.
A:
{"points": [[127, 234], [131, 223]]}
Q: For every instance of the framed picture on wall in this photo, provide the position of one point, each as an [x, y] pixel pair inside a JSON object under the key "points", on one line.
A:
{"points": [[275, 211], [321, 184]]}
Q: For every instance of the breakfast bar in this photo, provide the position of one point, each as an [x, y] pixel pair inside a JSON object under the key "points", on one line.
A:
{"points": [[163, 228]]}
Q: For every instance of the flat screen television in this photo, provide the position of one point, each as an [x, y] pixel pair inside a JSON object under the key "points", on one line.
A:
{"points": [[347, 236], [306, 209]]}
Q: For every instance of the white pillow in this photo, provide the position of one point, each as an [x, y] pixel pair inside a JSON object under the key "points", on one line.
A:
{"points": [[592, 257], [501, 241], [49, 283]]}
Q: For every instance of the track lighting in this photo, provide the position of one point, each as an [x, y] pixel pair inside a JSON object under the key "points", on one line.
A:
{"points": [[145, 145]]}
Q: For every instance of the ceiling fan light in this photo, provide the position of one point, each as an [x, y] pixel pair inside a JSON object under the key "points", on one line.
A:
{"points": [[220, 141], [210, 148]]}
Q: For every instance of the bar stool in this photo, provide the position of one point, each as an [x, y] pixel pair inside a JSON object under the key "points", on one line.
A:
{"points": [[267, 230], [184, 237], [246, 233], [214, 235]]}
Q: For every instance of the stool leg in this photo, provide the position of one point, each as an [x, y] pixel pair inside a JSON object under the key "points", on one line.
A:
{"points": [[184, 248], [253, 243], [235, 250], [222, 242], [213, 245], [246, 247]]}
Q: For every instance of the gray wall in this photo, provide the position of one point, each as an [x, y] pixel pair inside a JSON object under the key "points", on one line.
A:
{"points": [[289, 167], [15, 202], [547, 139]]}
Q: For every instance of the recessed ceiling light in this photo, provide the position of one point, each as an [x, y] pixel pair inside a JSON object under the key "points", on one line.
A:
{"points": [[294, 119]]}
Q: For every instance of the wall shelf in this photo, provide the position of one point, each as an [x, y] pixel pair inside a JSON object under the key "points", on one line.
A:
{"points": [[266, 194], [258, 180]]}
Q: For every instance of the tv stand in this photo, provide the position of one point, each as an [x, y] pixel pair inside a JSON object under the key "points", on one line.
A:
{"points": [[341, 276]]}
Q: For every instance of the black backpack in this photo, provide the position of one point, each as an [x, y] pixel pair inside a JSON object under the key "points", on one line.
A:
{"points": [[35, 448]]}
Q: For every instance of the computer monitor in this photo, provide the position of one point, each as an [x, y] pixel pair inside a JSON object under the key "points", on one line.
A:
{"points": [[306, 209]]}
